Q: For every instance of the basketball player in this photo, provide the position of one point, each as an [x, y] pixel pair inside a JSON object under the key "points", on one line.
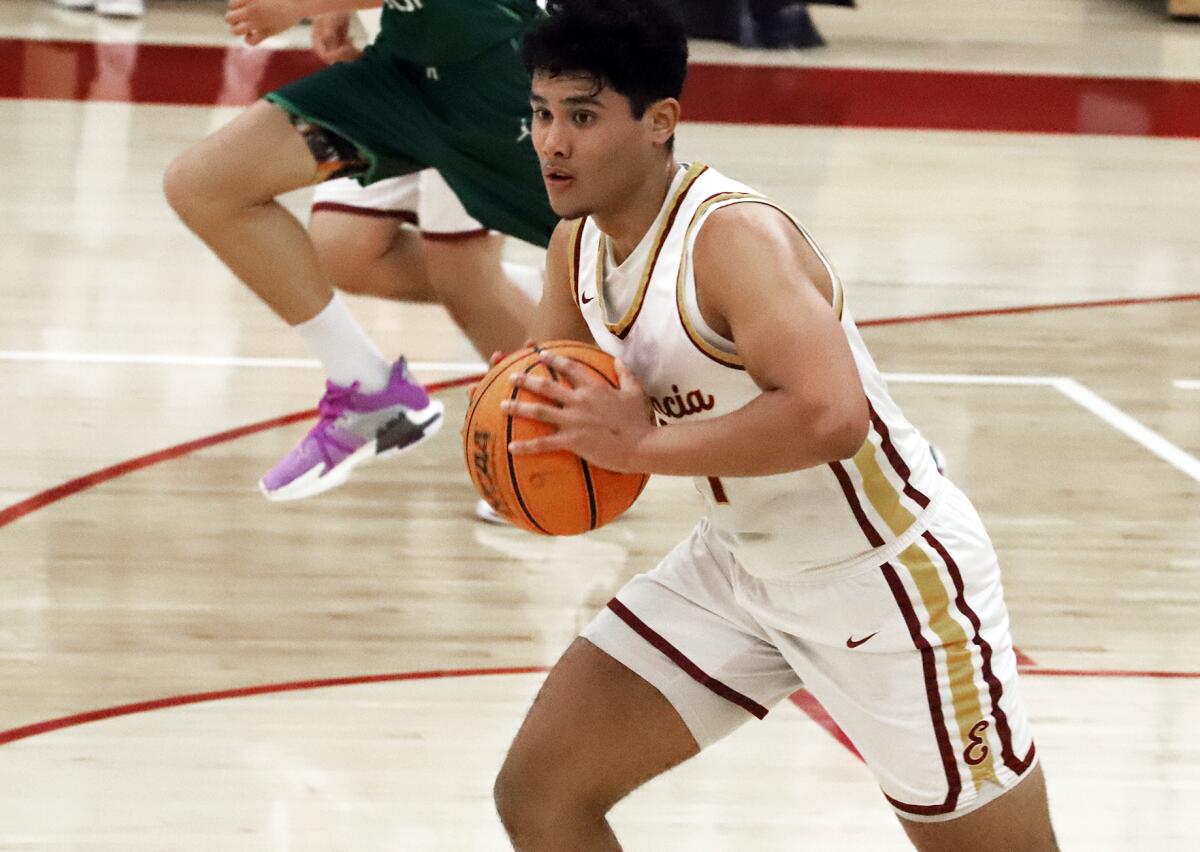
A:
{"points": [[409, 239], [442, 87], [832, 554]]}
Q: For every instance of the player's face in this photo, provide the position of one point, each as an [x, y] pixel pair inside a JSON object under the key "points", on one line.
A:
{"points": [[592, 150]]}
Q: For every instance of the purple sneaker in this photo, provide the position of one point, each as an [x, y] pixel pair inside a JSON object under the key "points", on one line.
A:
{"points": [[354, 428]]}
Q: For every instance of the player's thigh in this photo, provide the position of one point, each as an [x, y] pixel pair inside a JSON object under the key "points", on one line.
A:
{"points": [[595, 732], [350, 240], [352, 225], [254, 158], [459, 268], [461, 255], [1020, 819]]}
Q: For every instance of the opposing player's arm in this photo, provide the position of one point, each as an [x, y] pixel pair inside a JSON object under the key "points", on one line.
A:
{"points": [[557, 317], [761, 284], [256, 20]]}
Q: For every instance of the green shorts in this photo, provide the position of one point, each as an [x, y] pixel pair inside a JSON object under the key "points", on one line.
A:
{"points": [[468, 120]]}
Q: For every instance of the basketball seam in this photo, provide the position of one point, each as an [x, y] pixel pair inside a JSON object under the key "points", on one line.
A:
{"points": [[583, 466], [474, 406], [512, 470]]}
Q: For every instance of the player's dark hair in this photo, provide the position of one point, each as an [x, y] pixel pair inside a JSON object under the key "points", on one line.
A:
{"points": [[636, 47]]}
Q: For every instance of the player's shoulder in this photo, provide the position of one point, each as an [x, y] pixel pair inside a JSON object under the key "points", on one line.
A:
{"points": [[748, 229], [564, 234]]}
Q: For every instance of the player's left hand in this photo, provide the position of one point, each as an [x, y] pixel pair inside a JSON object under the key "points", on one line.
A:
{"points": [[331, 39], [258, 20], [596, 421]]}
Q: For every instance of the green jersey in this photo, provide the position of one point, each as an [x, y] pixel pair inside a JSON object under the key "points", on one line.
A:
{"points": [[441, 32]]}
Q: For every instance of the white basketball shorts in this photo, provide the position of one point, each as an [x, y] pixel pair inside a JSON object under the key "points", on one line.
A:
{"points": [[423, 199], [911, 656]]}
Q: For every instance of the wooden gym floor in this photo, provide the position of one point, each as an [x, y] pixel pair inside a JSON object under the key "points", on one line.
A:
{"points": [[186, 666]]}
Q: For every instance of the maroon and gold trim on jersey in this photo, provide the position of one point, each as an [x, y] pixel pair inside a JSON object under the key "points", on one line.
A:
{"points": [[721, 356], [575, 241], [621, 327], [726, 359]]}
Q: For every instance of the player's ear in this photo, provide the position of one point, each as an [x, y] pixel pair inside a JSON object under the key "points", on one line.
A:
{"points": [[662, 117]]}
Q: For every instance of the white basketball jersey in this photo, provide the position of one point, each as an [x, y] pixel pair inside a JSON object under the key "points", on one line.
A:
{"points": [[645, 311]]}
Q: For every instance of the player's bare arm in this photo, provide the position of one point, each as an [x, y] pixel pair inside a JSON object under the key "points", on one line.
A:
{"points": [[755, 278], [557, 317], [257, 20]]}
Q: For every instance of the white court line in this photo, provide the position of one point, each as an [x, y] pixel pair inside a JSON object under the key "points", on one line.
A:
{"points": [[1073, 390], [1093, 402], [1123, 423], [212, 361]]}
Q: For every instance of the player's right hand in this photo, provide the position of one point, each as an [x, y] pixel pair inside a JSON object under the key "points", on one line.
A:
{"points": [[258, 20], [331, 38]]}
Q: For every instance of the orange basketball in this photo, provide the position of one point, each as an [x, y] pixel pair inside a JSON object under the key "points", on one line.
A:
{"points": [[554, 493]]}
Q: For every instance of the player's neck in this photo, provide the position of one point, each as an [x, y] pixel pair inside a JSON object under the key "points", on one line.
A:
{"points": [[626, 226]]}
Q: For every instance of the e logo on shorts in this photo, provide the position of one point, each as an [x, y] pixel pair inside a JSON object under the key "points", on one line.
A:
{"points": [[976, 751]]}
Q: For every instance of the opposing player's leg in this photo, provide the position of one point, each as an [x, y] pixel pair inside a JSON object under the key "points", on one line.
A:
{"points": [[668, 668], [362, 242], [463, 260], [224, 189]]}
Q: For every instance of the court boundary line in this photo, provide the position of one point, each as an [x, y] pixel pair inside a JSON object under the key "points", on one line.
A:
{"points": [[173, 360], [1082, 396]]}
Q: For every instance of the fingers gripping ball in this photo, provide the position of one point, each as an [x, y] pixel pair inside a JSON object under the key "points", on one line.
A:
{"points": [[555, 493]]}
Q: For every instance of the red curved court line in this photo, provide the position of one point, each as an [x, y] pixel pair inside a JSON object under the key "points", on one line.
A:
{"points": [[90, 480], [802, 698], [58, 724], [74, 486], [1122, 673], [814, 710], [1030, 309]]}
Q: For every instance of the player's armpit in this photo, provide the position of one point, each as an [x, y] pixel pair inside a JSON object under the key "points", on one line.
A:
{"points": [[557, 317]]}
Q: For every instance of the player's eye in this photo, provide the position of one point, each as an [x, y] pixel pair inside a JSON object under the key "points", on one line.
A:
{"points": [[583, 118]]}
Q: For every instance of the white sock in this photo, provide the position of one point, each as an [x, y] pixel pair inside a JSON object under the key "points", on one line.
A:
{"points": [[344, 349], [528, 279]]}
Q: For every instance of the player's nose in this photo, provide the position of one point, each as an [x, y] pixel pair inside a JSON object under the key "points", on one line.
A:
{"points": [[555, 141]]}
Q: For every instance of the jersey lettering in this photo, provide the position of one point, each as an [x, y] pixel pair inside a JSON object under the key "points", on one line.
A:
{"points": [[676, 405], [403, 5]]}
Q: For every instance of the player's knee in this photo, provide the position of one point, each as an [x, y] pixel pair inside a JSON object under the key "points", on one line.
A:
{"points": [[535, 803], [181, 184], [192, 189]]}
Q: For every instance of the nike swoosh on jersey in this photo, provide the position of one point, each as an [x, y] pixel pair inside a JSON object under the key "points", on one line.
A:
{"points": [[854, 643], [585, 298]]}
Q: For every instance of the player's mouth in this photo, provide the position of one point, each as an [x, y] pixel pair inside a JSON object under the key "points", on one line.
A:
{"points": [[557, 178]]}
